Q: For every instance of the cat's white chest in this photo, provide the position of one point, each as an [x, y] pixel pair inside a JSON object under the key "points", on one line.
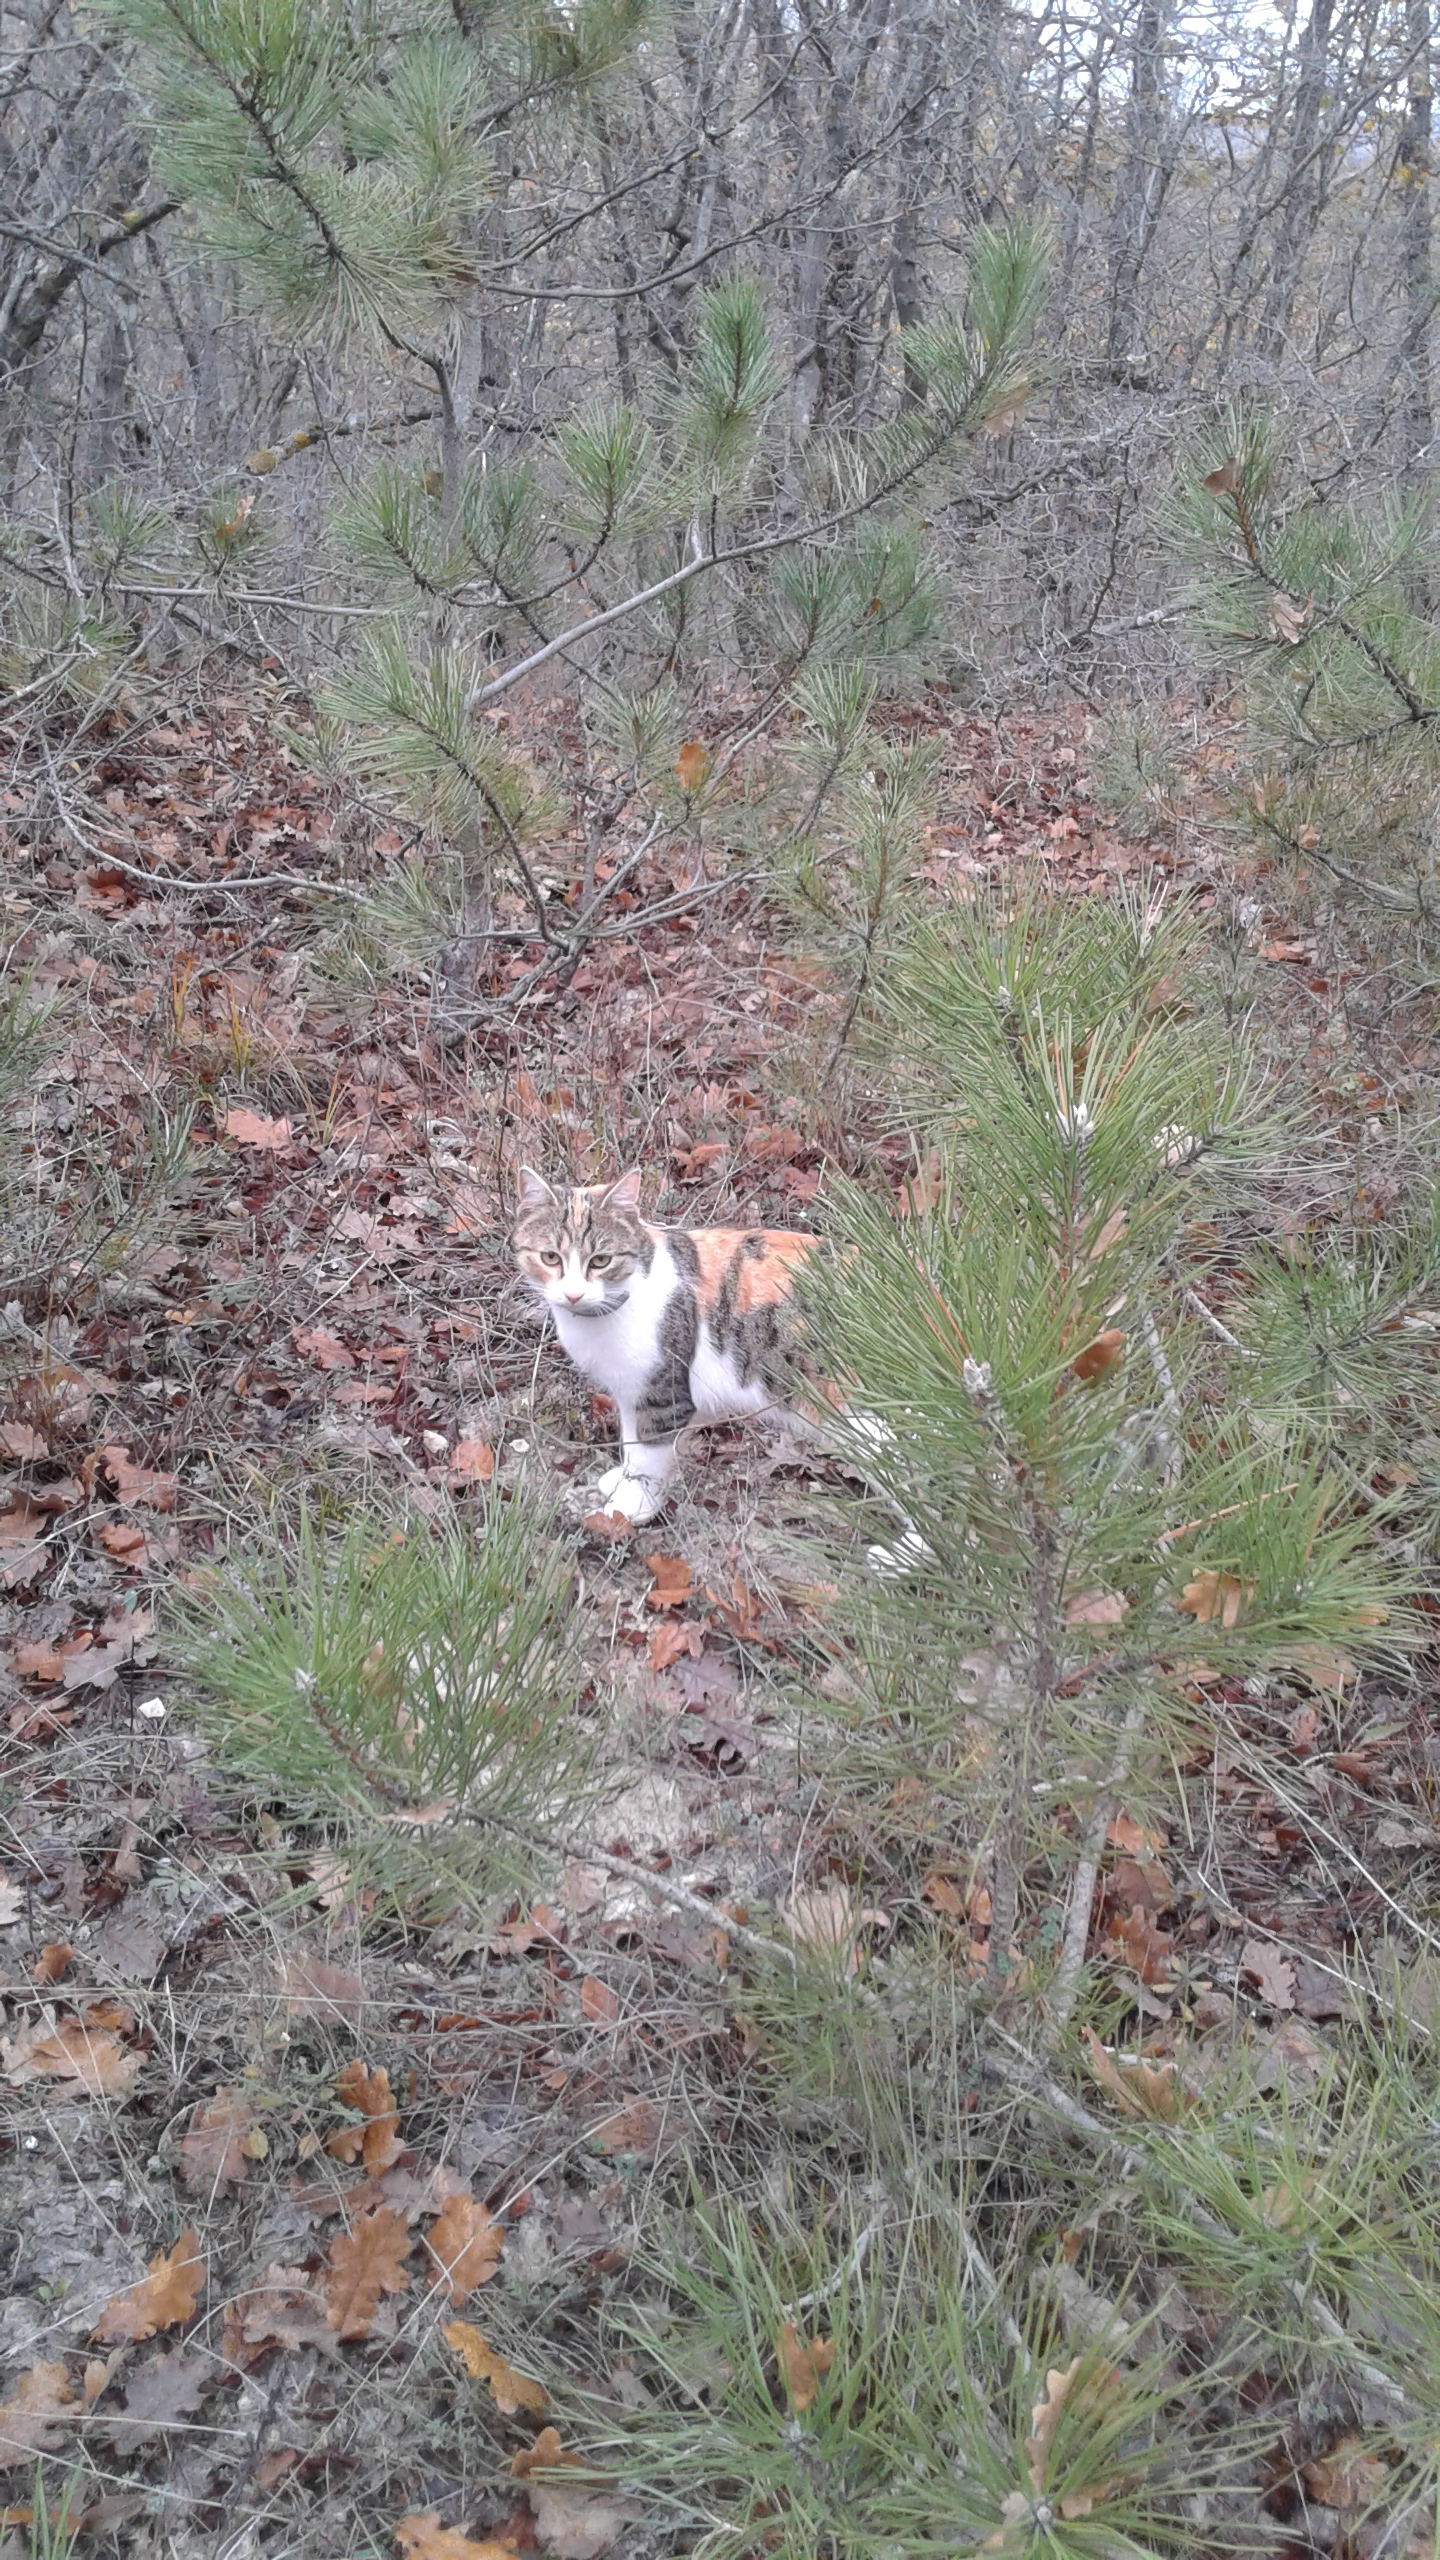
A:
{"points": [[618, 1351]]}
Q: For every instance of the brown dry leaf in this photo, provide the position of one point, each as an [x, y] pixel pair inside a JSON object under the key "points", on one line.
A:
{"points": [[168, 2293], [1290, 618], [426, 2538], [32, 2419], [1215, 1595], [827, 1917], [161, 2393], [1225, 482], [1270, 1971], [636, 2128], [509, 2390], [23, 1552], [471, 1462], [943, 1894], [576, 2524], [1347, 2476], [139, 1484], [316, 1989], [1284, 2205], [545, 2454], [465, 2242], [598, 2002], [670, 1582], [1098, 1357], [253, 1130], [665, 1644], [364, 2263], [282, 2310], [325, 1348], [21, 1442], [52, 1961], [1144, 2089], [690, 765], [83, 2050], [802, 2362], [1144, 1948], [1089, 2400], [376, 2142], [1096, 1609], [213, 2158], [1131, 1836]]}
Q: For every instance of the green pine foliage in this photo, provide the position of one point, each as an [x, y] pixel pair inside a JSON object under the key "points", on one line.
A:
{"points": [[1322, 608], [404, 1691], [1115, 1502]]}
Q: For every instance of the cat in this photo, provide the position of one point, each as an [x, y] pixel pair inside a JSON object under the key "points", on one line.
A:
{"points": [[679, 1325]]}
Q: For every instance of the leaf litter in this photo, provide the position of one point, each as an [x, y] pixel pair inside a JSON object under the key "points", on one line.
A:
{"points": [[434, 2054]]}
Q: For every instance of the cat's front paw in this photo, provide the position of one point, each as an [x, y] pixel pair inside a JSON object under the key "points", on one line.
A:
{"points": [[907, 1555], [636, 1498], [609, 1481]]}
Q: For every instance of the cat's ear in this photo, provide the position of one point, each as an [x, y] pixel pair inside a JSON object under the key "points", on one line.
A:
{"points": [[624, 1194], [535, 1191]]}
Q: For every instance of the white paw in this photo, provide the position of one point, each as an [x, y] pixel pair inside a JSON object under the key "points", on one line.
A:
{"points": [[636, 1498], [906, 1556], [609, 1480]]}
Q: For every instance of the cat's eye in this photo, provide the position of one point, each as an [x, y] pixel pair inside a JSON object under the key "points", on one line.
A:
{"points": [[553, 1259], [601, 1261]]}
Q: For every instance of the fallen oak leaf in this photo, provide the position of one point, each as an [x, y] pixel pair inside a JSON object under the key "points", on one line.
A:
{"points": [[1089, 2396], [139, 1484], [52, 1961], [32, 2419], [365, 2262], [213, 2158], [465, 2242], [670, 1583], [1208, 1596], [1157, 2095], [253, 1130], [1098, 1357], [802, 2361], [165, 2295], [161, 2393], [471, 1462], [1096, 1609], [1270, 1971], [282, 2310], [510, 2391], [83, 2050], [426, 2538], [376, 2141], [326, 1349]]}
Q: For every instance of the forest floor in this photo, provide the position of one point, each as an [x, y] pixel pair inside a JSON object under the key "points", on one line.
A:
{"points": [[219, 2062]]}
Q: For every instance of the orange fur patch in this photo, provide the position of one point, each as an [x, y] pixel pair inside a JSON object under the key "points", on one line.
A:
{"points": [[761, 1279]]}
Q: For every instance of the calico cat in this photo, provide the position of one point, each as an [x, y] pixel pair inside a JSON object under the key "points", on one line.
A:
{"points": [[678, 1324]]}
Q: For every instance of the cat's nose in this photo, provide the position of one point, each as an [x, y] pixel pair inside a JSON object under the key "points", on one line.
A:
{"points": [[573, 1297]]}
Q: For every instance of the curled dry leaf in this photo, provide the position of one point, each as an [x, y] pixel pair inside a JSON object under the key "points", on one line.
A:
{"points": [[213, 2157], [426, 2538], [471, 1462], [1225, 482], [1096, 1609], [545, 2454], [827, 1917], [82, 2050], [1270, 1971], [509, 2390], [52, 1960], [670, 1583], [376, 2142], [1141, 2088], [802, 2361], [282, 2310], [1098, 1357], [32, 2419], [364, 2263], [253, 1130], [1089, 2397], [139, 1484], [1349, 2476], [326, 1349], [1211, 1596], [168, 2293], [464, 2242]]}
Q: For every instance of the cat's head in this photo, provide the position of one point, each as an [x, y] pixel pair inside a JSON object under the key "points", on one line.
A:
{"points": [[578, 1249]]}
